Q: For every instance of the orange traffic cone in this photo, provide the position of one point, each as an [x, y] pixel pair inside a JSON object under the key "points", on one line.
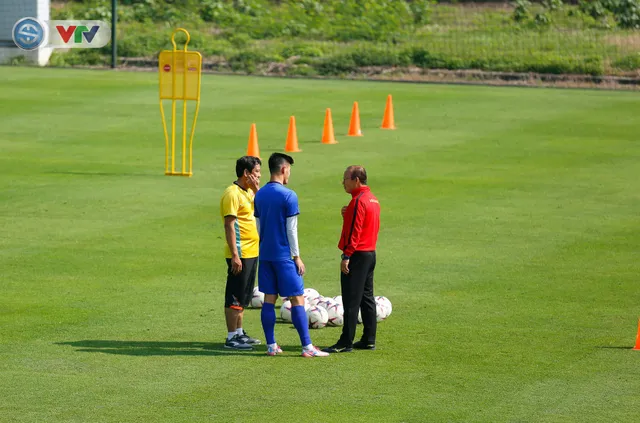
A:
{"points": [[637, 347], [387, 120], [292, 137], [252, 148], [327, 134], [354, 125]]}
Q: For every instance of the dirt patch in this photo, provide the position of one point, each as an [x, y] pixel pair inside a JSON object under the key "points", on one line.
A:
{"points": [[413, 75], [516, 79], [418, 75]]}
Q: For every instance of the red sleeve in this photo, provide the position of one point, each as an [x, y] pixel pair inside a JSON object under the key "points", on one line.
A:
{"points": [[355, 232]]}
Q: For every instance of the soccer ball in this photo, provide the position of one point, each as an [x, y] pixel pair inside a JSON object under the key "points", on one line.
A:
{"points": [[318, 317], [258, 298], [285, 311], [315, 300], [322, 303], [326, 303], [311, 293], [381, 312], [336, 314], [338, 299], [385, 303]]}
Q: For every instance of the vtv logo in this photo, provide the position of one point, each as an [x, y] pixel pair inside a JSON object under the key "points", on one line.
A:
{"points": [[31, 33], [77, 32]]}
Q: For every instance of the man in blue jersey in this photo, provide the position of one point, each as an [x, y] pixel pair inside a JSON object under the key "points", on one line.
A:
{"points": [[280, 267]]}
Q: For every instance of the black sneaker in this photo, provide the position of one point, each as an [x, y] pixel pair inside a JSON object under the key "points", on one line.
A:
{"points": [[237, 344], [249, 340], [360, 345], [337, 349]]}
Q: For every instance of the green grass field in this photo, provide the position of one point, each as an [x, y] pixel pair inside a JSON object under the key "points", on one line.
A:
{"points": [[509, 248]]}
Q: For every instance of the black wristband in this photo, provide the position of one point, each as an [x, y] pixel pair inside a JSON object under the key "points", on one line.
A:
{"points": [[345, 257]]}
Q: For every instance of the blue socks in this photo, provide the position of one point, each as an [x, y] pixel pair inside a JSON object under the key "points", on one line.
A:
{"points": [[298, 316], [300, 321], [268, 317]]}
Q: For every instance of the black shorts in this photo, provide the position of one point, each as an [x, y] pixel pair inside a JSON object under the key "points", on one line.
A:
{"points": [[239, 290]]}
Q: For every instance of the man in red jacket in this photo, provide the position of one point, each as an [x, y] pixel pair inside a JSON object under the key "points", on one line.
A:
{"points": [[360, 226]]}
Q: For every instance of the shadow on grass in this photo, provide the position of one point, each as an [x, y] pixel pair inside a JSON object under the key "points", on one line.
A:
{"points": [[610, 347], [148, 348], [158, 348], [103, 173]]}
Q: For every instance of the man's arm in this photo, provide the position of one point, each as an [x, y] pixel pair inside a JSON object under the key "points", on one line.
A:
{"points": [[292, 212], [355, 231], [292, 236], [230, 235]]}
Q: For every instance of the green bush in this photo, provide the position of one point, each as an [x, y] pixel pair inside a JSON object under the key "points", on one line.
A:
{"points": [[364, 55], [551, 63], [371, 20], [542, 19], [552, 4], [336, 65], [628, 63], [78, 57], [627, 13], [521, 11], [17, 61], [302, 50], [249, 60], [595, 9], [145, 40], [311, 61], [301, 70], [220, 12], [237, 40], [423, 58], [421, 11], [207, 44]]}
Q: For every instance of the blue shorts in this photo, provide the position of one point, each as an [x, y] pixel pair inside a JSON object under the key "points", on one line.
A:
{"points": [[280, 278]]}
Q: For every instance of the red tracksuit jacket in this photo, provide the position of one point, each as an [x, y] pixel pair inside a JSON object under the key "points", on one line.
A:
{"points": [[361, 223]]}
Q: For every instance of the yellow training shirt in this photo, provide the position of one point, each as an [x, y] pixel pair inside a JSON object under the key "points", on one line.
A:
{"points": [[238, 202]]}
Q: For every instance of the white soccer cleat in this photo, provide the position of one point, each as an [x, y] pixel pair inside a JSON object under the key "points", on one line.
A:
{"points": [[314, 352], [274, 350]]}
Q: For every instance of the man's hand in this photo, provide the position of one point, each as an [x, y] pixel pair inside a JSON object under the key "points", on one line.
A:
{"points": [[236, 265], [254, 182], [299, 265], [343, 211], [344, 266]]}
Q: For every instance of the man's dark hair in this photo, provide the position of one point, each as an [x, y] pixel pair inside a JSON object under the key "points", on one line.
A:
{"points": [[277, 160], [246, 163], [358, 172]]}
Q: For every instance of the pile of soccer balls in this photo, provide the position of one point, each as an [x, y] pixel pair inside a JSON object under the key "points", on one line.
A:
{"points": [[323, 311]]}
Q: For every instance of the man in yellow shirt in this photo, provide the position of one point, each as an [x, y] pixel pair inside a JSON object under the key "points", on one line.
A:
{"points": [[241, 249]]}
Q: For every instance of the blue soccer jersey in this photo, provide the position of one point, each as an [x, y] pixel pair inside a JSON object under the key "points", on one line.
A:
{"points": [[273, 204]]}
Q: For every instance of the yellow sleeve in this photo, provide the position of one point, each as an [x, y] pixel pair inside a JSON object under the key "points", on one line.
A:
{"points": [[229, 205]]}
